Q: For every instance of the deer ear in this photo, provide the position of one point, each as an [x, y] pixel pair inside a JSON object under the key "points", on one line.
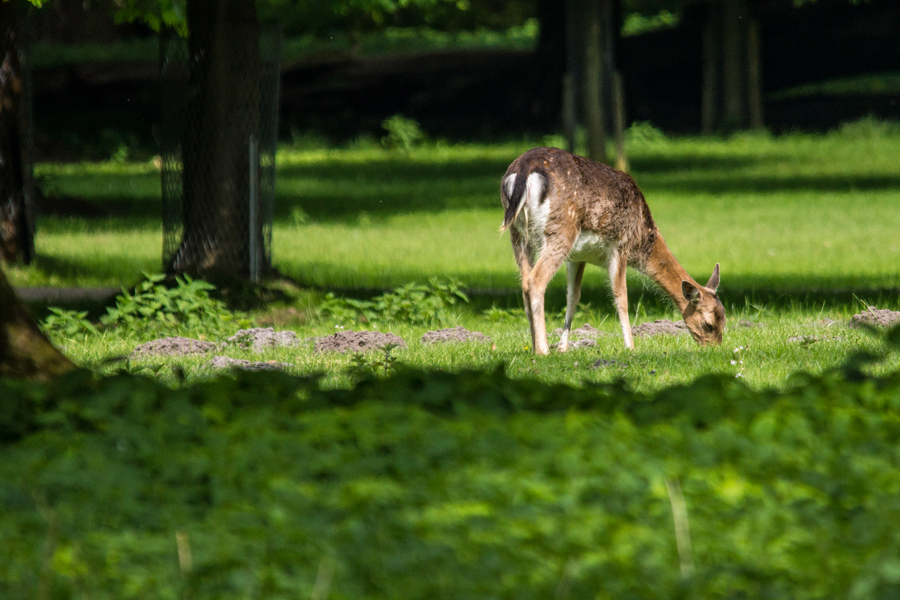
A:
{"points": [[714, 280], [690, 292]]}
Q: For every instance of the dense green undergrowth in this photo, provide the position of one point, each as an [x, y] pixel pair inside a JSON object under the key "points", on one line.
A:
{"points": [[442, 485]]}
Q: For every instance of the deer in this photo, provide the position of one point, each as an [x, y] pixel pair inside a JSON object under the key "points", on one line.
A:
{"points": [[561, 207]]}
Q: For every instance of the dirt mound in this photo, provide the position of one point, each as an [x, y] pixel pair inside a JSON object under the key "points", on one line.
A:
{"points": [[603, 363], [804, 340], [877, 317], [750, 324], [261, 338], [223, 362], [586, 331], [357, 341], [660, 326], [584, 337], [173, 346], [582, 343], [454, 335]]}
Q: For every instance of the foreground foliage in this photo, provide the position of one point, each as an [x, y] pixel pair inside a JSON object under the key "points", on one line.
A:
{"points": [[432, 484]]}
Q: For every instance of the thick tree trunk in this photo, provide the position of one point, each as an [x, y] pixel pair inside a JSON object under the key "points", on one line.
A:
{"points": [[731, 97], [754, 76], [733, 88], [570, 79], [221, 141], [709, 113], [16, 218], [25, 352], [593, 81]]}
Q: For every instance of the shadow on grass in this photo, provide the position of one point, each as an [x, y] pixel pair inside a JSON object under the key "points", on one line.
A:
{"points": [[115, 270], [752, 184], [738, 294], [339, 190], [388, 187], [655, 165], [127, 207]]}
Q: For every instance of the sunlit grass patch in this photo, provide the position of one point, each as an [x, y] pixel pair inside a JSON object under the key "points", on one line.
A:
{"points": [[804, 227]]}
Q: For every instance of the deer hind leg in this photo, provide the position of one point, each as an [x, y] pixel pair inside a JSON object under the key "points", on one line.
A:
{"points": [[574, 275], [617, 268], [556, 248], [523, 254]]}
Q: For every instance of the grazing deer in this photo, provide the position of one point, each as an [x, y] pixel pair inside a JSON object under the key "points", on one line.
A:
{"points": [[563, 207]]}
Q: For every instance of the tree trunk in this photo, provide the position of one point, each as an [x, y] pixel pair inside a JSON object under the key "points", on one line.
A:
{"points": [[593, 80], [25, 352], [732, 85], [711, 45], [221, 141], [16, 218], [732, 64], [754, 76], [571, 77]]}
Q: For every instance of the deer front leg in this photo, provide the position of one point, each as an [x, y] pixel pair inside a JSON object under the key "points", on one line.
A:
{"points": [[617, 267], [574, 274]]}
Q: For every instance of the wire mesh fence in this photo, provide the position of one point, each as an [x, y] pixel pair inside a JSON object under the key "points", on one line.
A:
{"points": [[218, 134]]}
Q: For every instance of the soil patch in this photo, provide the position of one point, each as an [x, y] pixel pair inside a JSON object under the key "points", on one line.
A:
{"points": [[749, 324], [603, 363], [357, 341], [877, 317], [261, 338], [454, 335], [173, 346], [804, 340], [660, 326], [223, 362], [582, 343], [583, 337], [585, 331]]}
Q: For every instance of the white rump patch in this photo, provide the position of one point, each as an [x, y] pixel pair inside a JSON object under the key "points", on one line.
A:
{"points": [[534, 190], [508, 184], [529, 205]]}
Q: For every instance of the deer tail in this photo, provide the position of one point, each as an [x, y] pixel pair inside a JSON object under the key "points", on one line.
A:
{"points": [[519, 190]]}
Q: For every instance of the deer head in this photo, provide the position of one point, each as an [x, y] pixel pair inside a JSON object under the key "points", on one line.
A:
{"points": [[704, 314]]}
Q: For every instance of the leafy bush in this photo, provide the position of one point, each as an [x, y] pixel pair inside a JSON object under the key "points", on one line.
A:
{"points": [[412, 303], [504, 315], [869, 128], [185, 307], [67, 323], [402, 133], [645, 132], [467, 485]]}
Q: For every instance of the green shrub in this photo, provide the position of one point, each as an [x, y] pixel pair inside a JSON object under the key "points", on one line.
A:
{"points": [[467, 485], [67, 323], [412, 303], [186, 307], [402, 133], [645, 132], [869, 128]]}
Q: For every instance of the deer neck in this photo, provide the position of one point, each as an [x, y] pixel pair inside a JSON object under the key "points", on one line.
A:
{"points": [[665, 270]]}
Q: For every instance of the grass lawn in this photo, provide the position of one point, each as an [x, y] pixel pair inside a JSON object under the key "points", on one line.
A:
{"points": [[804, 228]]}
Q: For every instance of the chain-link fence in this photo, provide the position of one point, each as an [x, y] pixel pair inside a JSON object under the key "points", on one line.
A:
{"points": [[218, 133]]}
